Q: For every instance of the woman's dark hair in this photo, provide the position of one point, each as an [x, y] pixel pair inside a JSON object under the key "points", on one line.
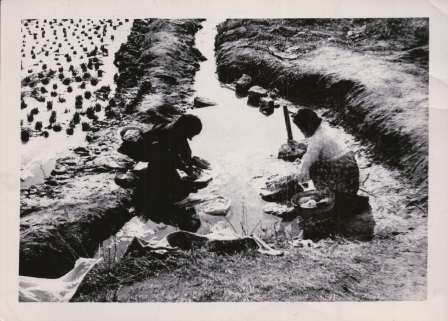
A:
{"points": [[187, 125], [307, 121]]}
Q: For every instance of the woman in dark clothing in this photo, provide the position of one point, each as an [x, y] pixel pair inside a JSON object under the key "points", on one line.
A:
{"points": [[167, 149]]}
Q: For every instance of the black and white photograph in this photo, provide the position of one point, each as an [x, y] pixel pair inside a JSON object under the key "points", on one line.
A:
{"points": [[223, 160]]}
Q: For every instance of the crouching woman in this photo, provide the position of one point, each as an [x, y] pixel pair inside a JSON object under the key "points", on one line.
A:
{"points": [[327, 161]]}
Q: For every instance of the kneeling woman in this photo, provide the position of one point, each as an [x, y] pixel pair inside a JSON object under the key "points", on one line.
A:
{"points": [[327, 161]]}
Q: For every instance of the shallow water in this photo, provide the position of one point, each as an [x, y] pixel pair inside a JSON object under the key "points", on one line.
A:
{"points": [[39, 154], [240, 142]]}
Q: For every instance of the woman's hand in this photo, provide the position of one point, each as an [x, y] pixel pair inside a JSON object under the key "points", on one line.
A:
{"points": [[303, 177]]}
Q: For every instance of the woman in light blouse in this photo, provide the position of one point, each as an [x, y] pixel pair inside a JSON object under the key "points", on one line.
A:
{"points": [[327, 161]]}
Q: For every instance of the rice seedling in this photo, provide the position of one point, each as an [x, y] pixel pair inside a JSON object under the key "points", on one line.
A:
{"points": [[76, 118], [38, 126], [52, 117], [85, 126], [57, 127], [25, 135], [35, 111]]}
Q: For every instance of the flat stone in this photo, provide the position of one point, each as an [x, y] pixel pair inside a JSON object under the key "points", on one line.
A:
{"points": [[140, 166], [277, 209], [200, 102], [125, 180], [81, 151], [243, 84], [292, 151], [254, 95], [257, 91], [132, 135], [217, 206]]}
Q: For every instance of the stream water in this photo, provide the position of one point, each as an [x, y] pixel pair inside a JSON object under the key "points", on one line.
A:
{"points": [[241, 145]]}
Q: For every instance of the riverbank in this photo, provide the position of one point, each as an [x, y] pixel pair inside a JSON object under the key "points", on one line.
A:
{"points": [[329, 270], [79, 204]]}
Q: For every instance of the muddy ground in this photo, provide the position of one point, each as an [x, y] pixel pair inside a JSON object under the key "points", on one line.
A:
{"points": [[296, 57]]}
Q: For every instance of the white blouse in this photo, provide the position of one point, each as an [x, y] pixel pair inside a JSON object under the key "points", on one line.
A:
{"points": [[322, 146]]}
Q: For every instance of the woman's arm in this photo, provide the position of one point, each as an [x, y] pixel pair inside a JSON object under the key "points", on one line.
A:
{"points": [[311, 156]]}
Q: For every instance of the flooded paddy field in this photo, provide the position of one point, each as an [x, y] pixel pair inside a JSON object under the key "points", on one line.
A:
{"points": [[68, 71]]}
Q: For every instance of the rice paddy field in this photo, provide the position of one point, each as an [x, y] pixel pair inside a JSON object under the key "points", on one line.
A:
{"points": [[67, 72]]}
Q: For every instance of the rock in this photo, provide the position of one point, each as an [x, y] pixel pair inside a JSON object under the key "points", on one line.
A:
{"points": [[200, 102], [277, 209], [125, 180], [140, 166], [292, 150], [266, 103], [257, 91], [280, 189], [254, 95], [132, 135], [266, 106], [242, 85], [82, 151], [218, 206], [90, 137]]}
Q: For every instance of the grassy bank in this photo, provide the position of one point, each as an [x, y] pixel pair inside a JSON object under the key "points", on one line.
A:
{"points": [[372, 72], [329, 270]]}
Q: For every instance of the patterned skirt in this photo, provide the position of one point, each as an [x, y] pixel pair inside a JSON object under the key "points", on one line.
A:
{"points": [[340, 175]]}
